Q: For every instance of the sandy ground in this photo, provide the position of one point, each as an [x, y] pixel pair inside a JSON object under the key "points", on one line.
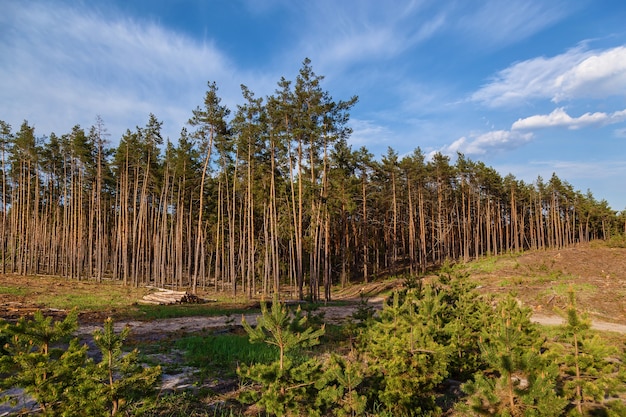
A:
{"points": [[150, 330]]}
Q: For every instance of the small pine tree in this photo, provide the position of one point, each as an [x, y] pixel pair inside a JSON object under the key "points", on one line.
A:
{"points": [[464, 321], [520, 380], [341, 382], [587, 377], [61, 378], [401, 348], [34, 362], [121, 377], [361, 318], [276, 327], [364, 312], [290, 385]]}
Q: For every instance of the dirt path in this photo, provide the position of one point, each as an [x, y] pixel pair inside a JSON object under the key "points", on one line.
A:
{"points": [[595, 324], [151, 330]]}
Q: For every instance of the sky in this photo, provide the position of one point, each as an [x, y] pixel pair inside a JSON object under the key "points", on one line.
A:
{"points": [[529, 87]]}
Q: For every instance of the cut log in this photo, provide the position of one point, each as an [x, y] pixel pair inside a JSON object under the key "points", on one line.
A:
{"points": [[142, 301], [168, 297]]}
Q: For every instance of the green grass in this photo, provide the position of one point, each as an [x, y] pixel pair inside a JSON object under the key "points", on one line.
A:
{"points": [[552, 276], [121, 302], [85, 302], [13, 290], [616, 241], [514, 281], [60, 293], [224, 352], [186, 404], [563, 289], [489, 264]]}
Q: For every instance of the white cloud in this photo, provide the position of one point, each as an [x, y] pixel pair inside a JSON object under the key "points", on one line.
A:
{"points": [[578, 73], [493, 141], [599, 75], [560, 118], [70, 64]]}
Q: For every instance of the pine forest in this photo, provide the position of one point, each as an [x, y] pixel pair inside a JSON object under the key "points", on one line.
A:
{"points": [[265, 198]]}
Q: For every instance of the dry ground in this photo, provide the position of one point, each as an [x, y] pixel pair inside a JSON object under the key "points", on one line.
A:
{"points": [[540, 279]]}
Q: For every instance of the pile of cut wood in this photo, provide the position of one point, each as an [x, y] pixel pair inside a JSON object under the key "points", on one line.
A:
{"points": [[163, 296]]}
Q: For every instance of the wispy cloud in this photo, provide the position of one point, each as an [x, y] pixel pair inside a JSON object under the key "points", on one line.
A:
{"points": [[366, 32], [620, 133], [577, 73], [568, 169], [497, 23], [560, 118], [80, 62], [367, 133]]}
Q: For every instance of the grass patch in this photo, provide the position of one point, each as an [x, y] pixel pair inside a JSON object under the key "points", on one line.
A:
{"points": [[64, 294], [513, 281], [491, 263], [224, 352], [85, 302], [554, 276], [13, 290], [121, 301], [616, 241], [186, 404], [563, 289]]}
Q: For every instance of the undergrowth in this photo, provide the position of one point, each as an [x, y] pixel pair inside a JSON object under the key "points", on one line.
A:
{"points": [[224, 352]]}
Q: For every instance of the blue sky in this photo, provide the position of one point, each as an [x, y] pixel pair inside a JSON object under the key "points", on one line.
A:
{"points": [[528, 87]]}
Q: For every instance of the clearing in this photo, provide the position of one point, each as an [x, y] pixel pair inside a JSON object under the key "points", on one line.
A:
{"points": [[540, 279]]}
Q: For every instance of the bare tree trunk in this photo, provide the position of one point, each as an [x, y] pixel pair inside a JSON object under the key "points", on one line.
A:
{"points": [[365, 242], [200, 211]]}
